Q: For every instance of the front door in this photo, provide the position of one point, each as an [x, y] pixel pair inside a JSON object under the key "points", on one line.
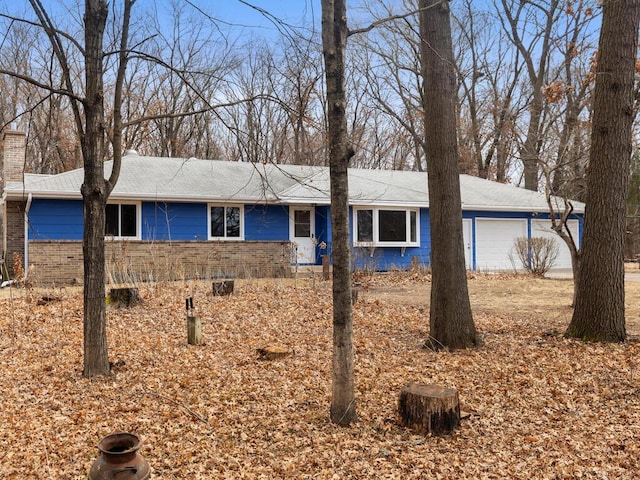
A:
{"points": [[302, 230]]}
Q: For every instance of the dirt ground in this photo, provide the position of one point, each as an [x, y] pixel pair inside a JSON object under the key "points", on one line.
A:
{"points": [[506, 294]]}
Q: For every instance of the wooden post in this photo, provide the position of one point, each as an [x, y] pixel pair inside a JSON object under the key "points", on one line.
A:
{"points": [[194, 330], [194, 325], [429, 408], [325, 267]]}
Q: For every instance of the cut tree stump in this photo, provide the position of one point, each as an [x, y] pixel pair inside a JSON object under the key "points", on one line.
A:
{"points": [[127, 297], [224, 287], [429, 408], [272, 352]]}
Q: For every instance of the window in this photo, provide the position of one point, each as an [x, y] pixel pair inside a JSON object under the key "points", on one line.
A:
{"points": [[121, 220], [226, 222], [302, 223], [386, 227]]}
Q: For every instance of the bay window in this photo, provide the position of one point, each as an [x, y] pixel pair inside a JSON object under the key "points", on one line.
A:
{"points": [[391, 227]]}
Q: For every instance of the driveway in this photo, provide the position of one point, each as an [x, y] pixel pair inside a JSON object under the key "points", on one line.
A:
{"points": [[629, 276]]}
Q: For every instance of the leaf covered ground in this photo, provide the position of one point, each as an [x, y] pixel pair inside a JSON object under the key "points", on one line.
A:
{"points": [[535, 405]]}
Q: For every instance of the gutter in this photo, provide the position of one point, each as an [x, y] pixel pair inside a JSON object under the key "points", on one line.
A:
{"points": [[26, 236]]}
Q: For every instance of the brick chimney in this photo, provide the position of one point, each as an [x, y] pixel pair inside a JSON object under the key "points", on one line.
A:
{"points": [[12, 157], [12, 154]]}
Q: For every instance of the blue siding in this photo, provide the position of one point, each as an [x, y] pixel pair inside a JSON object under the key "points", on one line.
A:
{"points": [[55, 219], [174, 221], [266, 222], [52, 219]]}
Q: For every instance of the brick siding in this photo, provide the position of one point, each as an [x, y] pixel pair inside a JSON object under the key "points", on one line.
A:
{"points": [[61, 262], [15, 232]]}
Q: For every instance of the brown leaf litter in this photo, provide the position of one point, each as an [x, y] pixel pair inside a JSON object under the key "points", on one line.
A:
{"points": [[535, 404]]}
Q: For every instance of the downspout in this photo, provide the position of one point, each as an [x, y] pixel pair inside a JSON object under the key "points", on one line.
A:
{"points": [[3, 246], [26, 236], [3, 240]]}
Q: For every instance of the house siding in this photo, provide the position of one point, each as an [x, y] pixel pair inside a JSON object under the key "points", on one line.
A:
{"points": [[173, 221], [160, 221], [61, 261], [266, 222], [174, 242], [55, 219], [15, 233]]}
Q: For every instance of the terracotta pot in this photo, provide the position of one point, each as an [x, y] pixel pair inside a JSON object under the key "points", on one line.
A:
{"points": [[119, 459]]}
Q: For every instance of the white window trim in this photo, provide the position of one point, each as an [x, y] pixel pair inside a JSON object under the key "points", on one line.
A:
{"points": [[225, 238], [378, 243], [138, 235]]}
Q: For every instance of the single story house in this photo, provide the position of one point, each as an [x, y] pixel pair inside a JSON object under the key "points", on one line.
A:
{"points": [[186, 218]]}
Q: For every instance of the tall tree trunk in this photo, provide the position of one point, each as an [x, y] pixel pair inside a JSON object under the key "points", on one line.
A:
{"points": [[450, 313], [599, 309], [529, 153], [94, 193], [334, 39]]}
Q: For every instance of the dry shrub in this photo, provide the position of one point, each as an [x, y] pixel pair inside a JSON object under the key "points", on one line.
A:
{"points": [[537, 255]]}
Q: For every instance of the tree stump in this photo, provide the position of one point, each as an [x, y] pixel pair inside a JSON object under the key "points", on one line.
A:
{"points": [[429, 408], [194, 330], [272, 352], [224, 287], [127, 297]]}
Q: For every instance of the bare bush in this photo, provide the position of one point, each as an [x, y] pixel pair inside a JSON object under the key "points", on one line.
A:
{"points": [[537, 255]]}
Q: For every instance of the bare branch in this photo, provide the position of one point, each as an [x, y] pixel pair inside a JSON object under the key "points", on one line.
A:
{"points": [[208, 108], [58, 49], [62, 33], [391, 18], [44, 86], [117, 97]]}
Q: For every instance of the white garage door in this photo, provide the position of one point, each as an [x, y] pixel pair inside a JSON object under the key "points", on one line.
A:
{"points": [[495, 239], [542, 228]]}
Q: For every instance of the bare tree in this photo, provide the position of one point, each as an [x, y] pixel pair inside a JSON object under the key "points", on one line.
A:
{"points": [[599, 309], [489, 73], [530, 27], [334, 39], [451, 321], [390, 63], [79, 76]]}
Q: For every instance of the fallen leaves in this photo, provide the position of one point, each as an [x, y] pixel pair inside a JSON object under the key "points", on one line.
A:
{"points": [[537, 405]]}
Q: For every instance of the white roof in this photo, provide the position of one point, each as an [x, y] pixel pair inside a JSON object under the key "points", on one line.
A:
{"points": [[180, 179]]}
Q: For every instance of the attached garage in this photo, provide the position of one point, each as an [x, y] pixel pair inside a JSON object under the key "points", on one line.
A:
{"points": [[542, 228], [495, 238]]}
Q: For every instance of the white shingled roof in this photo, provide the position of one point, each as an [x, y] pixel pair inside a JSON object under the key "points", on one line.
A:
{"points": [[179, 179]]}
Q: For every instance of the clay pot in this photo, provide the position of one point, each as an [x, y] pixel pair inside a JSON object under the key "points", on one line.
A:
{"points": [[119, 459]]}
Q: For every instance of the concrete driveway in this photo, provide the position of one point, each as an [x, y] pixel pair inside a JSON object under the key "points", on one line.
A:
{"points": [[565, 273]]}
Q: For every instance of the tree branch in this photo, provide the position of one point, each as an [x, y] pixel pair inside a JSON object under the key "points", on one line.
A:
{"points": [[71, 39], [41, 85], [382, 21]]}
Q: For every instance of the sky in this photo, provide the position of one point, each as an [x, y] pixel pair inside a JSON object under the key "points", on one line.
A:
{"points": [[241, 15]]}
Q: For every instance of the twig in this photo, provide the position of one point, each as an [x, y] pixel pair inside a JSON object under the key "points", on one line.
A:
{"points": [[175, 402]]}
